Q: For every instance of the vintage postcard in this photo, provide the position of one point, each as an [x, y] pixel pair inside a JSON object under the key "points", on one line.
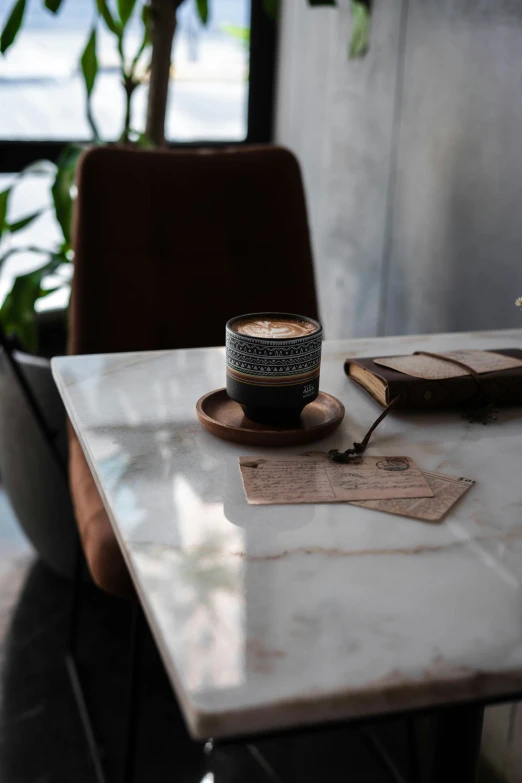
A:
{"points": [[311, 479], [447, 490]]}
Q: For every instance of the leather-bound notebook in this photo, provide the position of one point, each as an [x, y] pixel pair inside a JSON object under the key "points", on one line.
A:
{"points": [[425, 381]]}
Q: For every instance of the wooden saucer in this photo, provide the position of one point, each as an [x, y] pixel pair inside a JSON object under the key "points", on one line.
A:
{"points": [[224, 418]]}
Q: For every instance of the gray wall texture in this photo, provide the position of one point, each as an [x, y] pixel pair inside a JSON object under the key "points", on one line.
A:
{"points": [[412, 161]]}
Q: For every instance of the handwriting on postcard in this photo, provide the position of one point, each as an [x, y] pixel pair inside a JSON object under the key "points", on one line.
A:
{"points": [[420, 366], [447, 490], [318, 480]]}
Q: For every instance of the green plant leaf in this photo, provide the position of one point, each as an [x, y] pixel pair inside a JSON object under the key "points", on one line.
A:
{"points": [[53, 5], [61, 190], [66, 251], [202, 6], [89, 62], [142, 141], [146, 18], [125, 9], [4, 198], [361, 29], [112, 24], [26, 221], [57, 259], [15, 250], [12, 26], [17, 312], [235, 31], [271, 8]]}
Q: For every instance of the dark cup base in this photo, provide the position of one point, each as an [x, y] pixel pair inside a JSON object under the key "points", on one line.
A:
{"points": [[288, 417]]}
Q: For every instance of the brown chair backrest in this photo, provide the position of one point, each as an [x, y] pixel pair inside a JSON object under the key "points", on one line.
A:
{"points": [[171, 244]]}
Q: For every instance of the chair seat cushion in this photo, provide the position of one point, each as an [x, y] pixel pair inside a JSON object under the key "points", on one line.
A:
{"points": [[101, 549]]}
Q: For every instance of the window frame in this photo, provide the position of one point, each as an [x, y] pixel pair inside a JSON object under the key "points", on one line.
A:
{"points": [[16, 154]]}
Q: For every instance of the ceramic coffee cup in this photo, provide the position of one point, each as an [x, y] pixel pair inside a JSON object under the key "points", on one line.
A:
{"points": [[273, 362]]}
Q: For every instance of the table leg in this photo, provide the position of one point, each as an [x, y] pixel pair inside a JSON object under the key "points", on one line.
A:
{"points": [[457, 744], [73, 669], [133, 714]]}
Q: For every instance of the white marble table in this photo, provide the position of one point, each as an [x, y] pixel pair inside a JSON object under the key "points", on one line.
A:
{"points": [[268, 617]]}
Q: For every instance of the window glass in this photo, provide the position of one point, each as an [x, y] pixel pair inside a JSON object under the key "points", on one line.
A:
{"points": [[42, 92]]}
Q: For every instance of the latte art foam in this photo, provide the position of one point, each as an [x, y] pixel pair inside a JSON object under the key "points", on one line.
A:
{"points": [[274, 328]]}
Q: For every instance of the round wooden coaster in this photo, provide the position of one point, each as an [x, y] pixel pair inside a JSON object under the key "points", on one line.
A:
{"points": [[224, 418]]}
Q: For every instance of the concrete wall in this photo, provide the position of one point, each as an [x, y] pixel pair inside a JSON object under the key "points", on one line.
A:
{"points": [[411, 160]]}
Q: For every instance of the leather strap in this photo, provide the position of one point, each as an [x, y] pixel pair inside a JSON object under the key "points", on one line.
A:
{"points": [[463, 366], [483, 407], [359, 448]]}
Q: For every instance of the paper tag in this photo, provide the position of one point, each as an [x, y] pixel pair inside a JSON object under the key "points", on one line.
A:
{"points": [[432, 369], [447, 490], [318, 480]]}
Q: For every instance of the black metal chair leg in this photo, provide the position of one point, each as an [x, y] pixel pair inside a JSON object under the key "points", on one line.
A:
{"points": [[263, 763], [377, 749], [135, 681], [457, 744], [413, 751], [72, 670]]}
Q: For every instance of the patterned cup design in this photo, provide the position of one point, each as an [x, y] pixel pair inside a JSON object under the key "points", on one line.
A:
{"points": [[273, 373]]}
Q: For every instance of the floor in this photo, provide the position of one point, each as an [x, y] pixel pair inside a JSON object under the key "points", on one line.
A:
{"points": [[40, 733]]}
